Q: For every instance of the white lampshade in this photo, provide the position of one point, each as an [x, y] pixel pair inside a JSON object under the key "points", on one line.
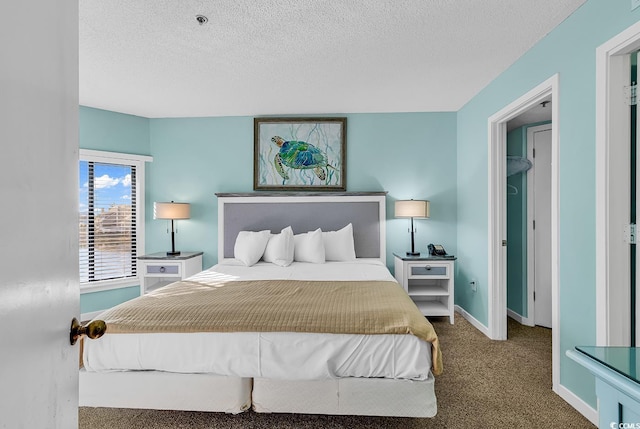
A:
{"points": [[412, 208], [171, 210]]}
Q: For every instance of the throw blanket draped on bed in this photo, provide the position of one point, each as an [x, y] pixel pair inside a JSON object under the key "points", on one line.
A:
{"points": [[339, 307]]}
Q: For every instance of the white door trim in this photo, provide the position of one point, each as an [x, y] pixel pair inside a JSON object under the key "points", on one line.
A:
{"points": [[531, 320], [612, 185], [634, 78], [497, 290]]}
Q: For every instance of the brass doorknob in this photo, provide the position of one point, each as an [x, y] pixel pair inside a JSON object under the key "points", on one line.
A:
{"points": [[93, 330]]}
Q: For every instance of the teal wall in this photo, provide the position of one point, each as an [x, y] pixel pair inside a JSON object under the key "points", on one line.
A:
{"points": [[517, 227], [569, 50], [112, 132], [410, 155], [102, 300]]}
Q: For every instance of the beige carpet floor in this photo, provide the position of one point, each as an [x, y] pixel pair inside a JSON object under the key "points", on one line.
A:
{"points": [[485, 384]]}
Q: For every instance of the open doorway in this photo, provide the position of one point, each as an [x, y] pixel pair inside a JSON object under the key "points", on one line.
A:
{"points": [[528, 216], [497, 190]]}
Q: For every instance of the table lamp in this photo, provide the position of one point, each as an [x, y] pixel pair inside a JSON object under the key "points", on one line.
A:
{"points": [[412, 209], [171, 211]]}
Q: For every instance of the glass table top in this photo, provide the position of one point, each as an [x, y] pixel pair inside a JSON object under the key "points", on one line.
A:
{"points": [[623, 360]]}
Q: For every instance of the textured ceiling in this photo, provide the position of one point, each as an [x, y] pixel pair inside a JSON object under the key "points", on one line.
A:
{"points": [[151, 57]]}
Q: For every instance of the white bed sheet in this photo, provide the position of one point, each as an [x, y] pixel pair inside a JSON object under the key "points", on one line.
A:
{"points": [[273, 355]]}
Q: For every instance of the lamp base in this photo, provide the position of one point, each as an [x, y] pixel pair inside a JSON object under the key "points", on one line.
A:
{"points": [[176, 253], [413, 253]]}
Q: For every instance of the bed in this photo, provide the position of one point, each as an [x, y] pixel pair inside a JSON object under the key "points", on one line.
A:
{"points": [[341, 371]]}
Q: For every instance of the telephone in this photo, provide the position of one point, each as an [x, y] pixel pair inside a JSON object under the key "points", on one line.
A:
{"points": [[437, 250]]}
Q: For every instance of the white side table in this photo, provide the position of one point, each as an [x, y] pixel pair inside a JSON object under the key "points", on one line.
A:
{"points": [[429, 281], [158, 269]]}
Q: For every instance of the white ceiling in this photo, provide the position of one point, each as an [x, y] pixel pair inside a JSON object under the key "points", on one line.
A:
{"points": [[538, 113], [267, 57]]}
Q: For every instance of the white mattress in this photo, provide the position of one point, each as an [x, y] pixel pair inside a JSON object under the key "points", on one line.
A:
{"points": [[273, 355]]}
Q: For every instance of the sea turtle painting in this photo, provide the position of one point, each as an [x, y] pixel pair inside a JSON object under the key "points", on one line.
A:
{"points": [[299, 155]]}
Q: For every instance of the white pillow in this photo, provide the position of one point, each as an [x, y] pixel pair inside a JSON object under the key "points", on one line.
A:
{"points": [[279, 249], [338, 245], [309, 247], [250, 246]]}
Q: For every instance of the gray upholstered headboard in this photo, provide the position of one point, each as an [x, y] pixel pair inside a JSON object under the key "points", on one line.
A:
{"points": [[256, 212]]}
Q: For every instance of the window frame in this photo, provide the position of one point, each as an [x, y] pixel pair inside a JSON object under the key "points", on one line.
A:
{"points": [[123, 159]]}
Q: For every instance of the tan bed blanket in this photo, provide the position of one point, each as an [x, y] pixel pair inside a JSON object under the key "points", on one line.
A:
{"points": [[339, 307]]}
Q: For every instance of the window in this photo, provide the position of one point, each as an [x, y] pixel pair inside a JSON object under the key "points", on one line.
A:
{"points": [[111, 218]]}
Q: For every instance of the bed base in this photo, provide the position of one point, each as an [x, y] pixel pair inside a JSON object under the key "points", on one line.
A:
{"points": [[346, 396], [206, 392], [165, 391]]}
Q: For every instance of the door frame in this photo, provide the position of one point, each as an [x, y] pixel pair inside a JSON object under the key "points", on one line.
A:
{"points": [[613, 129], [497, 278], [531, 318]]}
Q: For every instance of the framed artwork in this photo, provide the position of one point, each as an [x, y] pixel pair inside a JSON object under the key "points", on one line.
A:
{"points": [[299, 154]]}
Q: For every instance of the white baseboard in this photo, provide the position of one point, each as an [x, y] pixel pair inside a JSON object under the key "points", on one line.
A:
{"points": [[90, 315], [577, 403], [519, 318], [479, 326]]}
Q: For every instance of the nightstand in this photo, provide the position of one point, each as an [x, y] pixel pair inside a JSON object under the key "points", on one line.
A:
{"points": [[428, 280], [158, 269]]}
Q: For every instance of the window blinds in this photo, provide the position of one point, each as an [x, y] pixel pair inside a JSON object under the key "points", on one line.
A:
{"points": [[107, 221]]}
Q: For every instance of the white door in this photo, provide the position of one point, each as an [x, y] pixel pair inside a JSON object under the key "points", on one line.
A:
{"points": [[39, 292], [539, 141]]}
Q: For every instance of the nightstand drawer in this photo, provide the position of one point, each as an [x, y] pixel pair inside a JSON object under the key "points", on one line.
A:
{"points": [[428, 270], [168, 269], [159, 269]]}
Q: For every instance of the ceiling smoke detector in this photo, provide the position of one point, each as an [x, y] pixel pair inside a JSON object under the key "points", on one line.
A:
{"points": [[202, 19]]}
